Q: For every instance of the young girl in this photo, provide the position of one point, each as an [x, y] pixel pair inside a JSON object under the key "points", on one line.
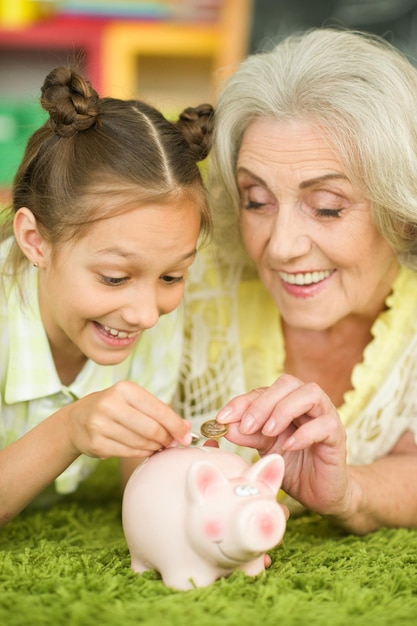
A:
{"points": [[108, 206]]}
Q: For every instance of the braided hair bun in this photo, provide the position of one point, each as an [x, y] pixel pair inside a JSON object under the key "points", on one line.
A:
{"points": [[71, 101], [196, 125]]}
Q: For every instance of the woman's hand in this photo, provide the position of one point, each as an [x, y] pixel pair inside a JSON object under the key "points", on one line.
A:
{"points": [[124, 420], [299, 422]]}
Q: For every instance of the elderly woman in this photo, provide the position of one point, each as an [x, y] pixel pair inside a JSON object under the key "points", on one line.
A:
{"points": [[303, 315]]}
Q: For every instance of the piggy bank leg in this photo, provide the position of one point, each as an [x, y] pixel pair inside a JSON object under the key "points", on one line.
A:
{"points": [[187, 579], [139, 566], [255, 567]]}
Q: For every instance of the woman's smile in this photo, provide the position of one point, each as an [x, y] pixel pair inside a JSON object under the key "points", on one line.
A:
{"points": [[305, 284], [305, 278], [303, 221]]}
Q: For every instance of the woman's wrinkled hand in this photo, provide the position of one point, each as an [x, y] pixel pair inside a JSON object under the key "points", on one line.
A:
{"points": [[298, 421]]}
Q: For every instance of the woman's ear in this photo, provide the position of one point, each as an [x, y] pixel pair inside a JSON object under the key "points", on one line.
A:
{"points": [[27, 235]]}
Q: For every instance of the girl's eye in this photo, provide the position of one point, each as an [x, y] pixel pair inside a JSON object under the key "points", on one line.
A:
{"points": [[172, 280], [327, 212], [110, 280]]}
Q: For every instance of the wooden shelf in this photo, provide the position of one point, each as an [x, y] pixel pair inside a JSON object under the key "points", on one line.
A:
{"points": [[174, 65], [49, 43], [169, 64]]}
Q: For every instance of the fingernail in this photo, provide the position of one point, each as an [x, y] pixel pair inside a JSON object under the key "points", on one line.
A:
{"points": [[247, 423], [289, 443], [187, 439], [223, 415], [269, 427]]}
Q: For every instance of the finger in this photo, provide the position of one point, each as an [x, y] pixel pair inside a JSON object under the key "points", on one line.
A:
{"points": [[148, 404], [256, 440], [104, 424], [327, 430], [117, 440], [234, 409], [286, 511], [106, 448], [264, 404], [211, 443], [299, 405], [116, 420], [132, 427]]}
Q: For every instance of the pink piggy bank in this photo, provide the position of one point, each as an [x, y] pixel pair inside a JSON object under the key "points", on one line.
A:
{"points": [[196, 514]]}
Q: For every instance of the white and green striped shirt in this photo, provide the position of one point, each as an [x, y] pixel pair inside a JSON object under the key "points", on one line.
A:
{"points": [[30, 389]]}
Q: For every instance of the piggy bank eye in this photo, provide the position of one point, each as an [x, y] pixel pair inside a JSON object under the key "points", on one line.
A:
{"points": [[246, 490]]}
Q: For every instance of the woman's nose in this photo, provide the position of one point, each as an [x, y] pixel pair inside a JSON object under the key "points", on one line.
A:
{"points": [[289, 238]]}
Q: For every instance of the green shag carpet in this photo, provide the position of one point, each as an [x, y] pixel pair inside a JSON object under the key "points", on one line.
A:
{"points": [[69, 565]]}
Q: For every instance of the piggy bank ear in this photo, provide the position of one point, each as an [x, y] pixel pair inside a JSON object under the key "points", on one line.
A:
{"points": [[203, 478], [269, 470]]}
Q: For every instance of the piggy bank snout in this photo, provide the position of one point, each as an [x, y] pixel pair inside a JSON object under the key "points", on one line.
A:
{"points": [[262, 526]]}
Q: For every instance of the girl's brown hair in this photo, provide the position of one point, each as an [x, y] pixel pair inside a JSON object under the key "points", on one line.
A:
{"points": [[92, 147]]}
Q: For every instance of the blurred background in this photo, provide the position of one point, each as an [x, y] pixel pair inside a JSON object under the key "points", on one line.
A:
{"points": [[172, 53]]}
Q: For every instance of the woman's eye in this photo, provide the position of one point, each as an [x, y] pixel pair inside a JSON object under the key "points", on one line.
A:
{"points": [[254, 197], [251, 204], [328, 212], [110, 280], [325, 204]]}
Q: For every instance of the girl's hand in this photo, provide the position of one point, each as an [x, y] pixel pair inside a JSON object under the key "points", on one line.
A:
{"points": [[298, 421], [124, 420]]}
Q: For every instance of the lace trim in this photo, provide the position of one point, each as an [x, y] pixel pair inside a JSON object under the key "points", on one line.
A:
{"points": [[392, 331], [379, 408], [211, 370]]}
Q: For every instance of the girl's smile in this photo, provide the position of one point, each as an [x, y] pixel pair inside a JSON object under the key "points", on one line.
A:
{"points": [[101, 293], [116, 337]]}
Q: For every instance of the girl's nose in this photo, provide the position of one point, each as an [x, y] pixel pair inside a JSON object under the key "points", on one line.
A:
{"points": [[143, 311]]}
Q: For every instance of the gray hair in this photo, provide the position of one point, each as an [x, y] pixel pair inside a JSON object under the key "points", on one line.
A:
{"points": [[355, 89]]}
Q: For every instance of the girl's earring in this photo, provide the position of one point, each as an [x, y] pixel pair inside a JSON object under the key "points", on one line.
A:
{"points": [[35, 264]]}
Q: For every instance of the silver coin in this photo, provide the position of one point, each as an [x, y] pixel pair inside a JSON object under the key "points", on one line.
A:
{"points": [[213, 430]]}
